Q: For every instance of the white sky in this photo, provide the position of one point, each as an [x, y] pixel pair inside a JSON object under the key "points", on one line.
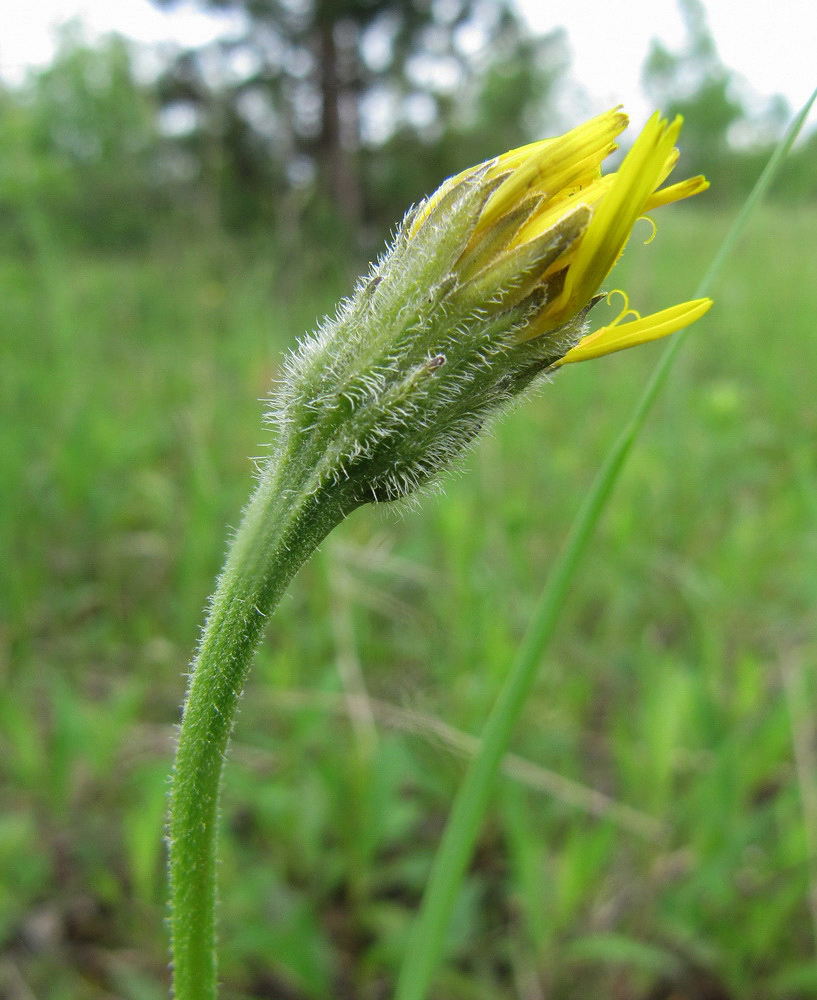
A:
{"points": [[772, 45]]}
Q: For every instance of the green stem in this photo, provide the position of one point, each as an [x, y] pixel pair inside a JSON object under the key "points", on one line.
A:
{"points": [[281, 528], [428, 933]]}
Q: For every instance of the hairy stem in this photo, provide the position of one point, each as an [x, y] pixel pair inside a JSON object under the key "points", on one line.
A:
{"points": [[281, 528]]}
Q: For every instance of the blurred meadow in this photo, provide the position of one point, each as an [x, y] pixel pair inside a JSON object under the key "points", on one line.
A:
{"points": [[654, 836]]}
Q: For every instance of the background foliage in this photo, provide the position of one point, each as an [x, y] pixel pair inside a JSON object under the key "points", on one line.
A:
{"points": [[656, 835]]}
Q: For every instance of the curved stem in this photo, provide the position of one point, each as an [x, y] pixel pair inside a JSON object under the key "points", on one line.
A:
{"points": [[281, 528]]}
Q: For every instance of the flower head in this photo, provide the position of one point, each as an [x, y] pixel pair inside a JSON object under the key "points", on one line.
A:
{"points": [[487, 288], [552, 196]]}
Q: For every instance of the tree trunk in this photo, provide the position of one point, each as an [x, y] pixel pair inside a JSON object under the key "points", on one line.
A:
{"points": [[338, 131]]}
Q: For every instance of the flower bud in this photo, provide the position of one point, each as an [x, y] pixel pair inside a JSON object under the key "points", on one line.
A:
{"points": [[486, 288]]}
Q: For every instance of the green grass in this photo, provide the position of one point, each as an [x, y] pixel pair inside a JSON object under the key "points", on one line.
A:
{"points": [[131, 388]]}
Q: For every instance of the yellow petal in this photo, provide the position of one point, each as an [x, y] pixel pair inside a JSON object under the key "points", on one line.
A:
{"points": [[643, 169], [548, 167], [676, 192], [620, 336]]}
